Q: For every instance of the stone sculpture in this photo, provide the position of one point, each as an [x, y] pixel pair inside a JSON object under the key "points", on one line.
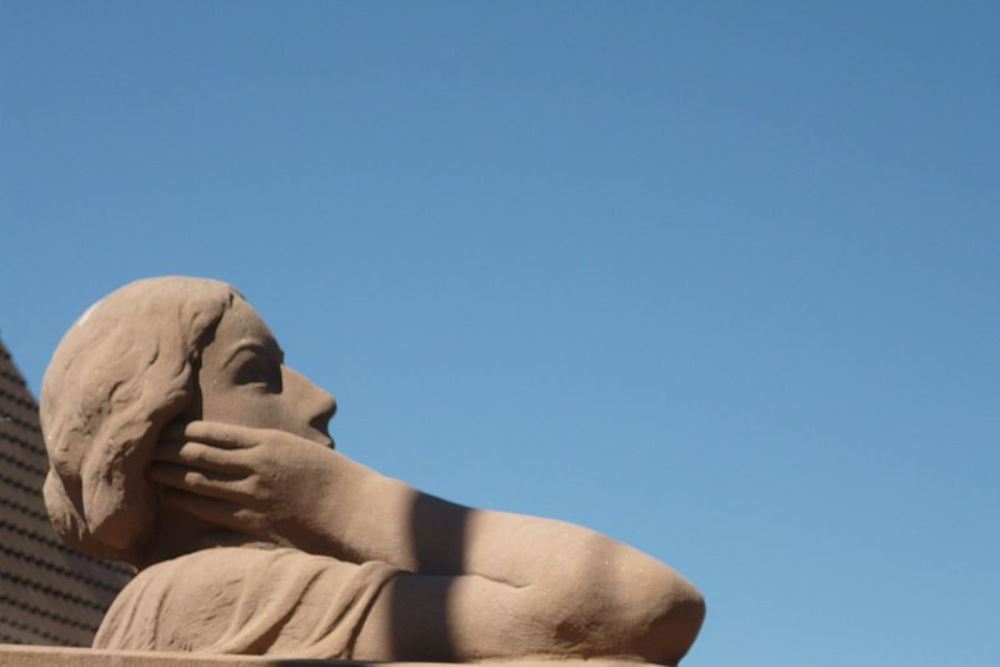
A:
{"points": [[181, 443]]}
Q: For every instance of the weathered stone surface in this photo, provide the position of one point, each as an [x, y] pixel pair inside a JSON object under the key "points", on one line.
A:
{"points": [[182, 443]]}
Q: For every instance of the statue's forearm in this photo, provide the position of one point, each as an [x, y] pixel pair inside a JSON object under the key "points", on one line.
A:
{"points": [[570, 576], [368, 516], [374, 517]]}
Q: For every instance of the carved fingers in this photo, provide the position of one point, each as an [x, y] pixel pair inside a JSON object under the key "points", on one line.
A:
{"points": [[200, 482], [228, 436], [209, 460], [264, 482], [203, 456]]}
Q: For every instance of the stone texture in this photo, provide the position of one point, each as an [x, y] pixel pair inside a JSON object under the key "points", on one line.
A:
{"points": [[181, 442]]}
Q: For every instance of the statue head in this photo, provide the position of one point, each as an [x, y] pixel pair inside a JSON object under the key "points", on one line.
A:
{"points": [[154, 352]]}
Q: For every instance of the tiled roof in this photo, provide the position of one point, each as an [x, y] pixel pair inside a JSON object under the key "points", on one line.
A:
{"points": [[49, 593]]}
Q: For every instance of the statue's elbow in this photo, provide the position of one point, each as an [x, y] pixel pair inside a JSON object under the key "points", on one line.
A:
{"points": [[654, 617], [617, 602], [673, 624]]}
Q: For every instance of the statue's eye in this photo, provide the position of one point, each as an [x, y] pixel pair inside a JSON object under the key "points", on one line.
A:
{"points": [[258, 370]]}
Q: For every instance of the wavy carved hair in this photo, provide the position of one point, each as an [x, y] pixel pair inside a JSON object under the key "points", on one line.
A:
{"points": [[123, 371]]}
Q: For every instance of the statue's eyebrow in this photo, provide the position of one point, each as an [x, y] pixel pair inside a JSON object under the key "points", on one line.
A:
{"points": [[267, 347]]}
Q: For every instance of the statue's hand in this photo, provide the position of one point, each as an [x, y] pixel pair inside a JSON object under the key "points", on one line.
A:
{"points": [[265, 483]]}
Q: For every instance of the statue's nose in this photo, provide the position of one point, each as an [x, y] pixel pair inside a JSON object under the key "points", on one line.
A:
{"points": [[319, 405], [328, 408]]}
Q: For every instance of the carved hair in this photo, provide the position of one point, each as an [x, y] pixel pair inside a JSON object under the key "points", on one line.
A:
{"points": [[124, 370]]}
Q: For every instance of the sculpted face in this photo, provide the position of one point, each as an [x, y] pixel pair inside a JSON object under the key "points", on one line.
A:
{"points": [[243, 380]]}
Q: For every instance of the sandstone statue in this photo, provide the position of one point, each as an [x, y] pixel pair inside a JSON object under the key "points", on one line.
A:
{"points": [[181, 443]]}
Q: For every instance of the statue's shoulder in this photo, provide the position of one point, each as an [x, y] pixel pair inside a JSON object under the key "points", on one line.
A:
{"points": [[244, 600], [163, 594]]}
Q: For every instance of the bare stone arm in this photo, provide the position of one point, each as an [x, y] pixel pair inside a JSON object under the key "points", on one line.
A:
{"points": [[510, 584]]}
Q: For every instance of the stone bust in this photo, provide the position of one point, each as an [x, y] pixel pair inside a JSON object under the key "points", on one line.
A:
{"points": [[181, 443]]}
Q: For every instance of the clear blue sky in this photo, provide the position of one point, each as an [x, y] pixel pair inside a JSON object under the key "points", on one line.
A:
{"points": [[718, 279]]}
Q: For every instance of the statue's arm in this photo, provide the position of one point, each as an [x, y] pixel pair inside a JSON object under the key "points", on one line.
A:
{"points": [[511, 582], [468, 617], [557, 587]]}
